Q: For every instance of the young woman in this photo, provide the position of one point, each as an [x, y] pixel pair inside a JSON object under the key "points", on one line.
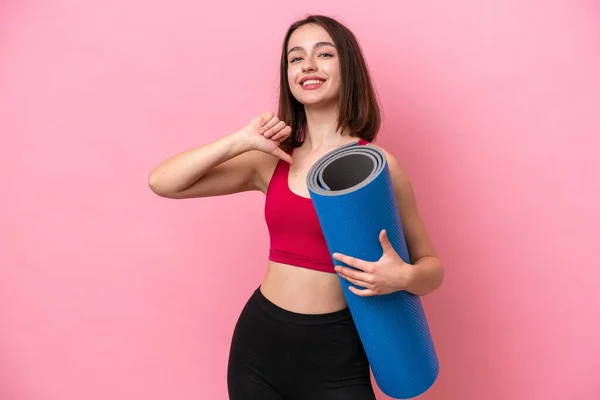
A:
{"points": [[295, 338]]}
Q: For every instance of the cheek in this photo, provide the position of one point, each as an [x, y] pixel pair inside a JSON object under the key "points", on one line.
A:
{"points": [[333, 72], [291, 78], [336, 83]]}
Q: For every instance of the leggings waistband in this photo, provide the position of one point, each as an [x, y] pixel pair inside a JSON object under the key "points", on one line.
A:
{"points": [[298, 318]]}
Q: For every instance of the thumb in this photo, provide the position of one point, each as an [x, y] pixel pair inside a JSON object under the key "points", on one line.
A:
{"points": [[278, 152], [386, 245]]}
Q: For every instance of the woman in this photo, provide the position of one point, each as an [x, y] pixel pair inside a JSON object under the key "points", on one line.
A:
{"points": [[295, 338]]}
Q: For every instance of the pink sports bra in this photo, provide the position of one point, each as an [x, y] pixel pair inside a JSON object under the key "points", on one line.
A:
{"points": [[295, 234]]}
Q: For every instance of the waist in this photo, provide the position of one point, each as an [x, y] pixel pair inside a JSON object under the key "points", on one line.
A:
{"points": [[321, 263], [302, 290]]}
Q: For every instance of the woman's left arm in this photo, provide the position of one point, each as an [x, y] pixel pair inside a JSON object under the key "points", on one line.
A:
{"points": [[390, 273], [428, 272]]}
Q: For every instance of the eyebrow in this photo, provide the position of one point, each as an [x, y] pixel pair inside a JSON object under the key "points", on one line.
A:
{"points": [[316, 46]]}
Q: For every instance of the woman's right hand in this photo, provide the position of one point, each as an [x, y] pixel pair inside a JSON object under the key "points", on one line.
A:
{"points": [[265, 133], [223, 166]]}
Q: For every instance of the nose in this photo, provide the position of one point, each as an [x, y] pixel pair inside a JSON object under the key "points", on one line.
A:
{"points": [[309, 65]]}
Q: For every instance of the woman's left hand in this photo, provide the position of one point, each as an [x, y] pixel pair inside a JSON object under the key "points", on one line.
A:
{"points": [[387, 275]]}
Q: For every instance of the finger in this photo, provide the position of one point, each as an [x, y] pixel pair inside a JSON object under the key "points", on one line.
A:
{"points": [[282, 134], [386, 245], [268, 125], [282, 155], [275, 129], [353, 262], [362, 292], [266, 117], [357, 282], [357, 275]]}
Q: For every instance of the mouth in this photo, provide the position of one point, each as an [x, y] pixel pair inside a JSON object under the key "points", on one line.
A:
{"points": [[311, 82]]}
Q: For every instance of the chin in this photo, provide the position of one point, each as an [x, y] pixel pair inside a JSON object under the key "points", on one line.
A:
{"points": [[315, 101]]}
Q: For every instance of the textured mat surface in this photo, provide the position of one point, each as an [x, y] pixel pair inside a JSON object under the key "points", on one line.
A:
{"points": [[353, 196]]}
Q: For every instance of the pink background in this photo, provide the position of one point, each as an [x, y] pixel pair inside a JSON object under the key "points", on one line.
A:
{"points": [[109, 292]]}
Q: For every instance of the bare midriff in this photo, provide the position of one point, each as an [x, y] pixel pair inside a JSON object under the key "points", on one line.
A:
{"points": [[302, 290]]}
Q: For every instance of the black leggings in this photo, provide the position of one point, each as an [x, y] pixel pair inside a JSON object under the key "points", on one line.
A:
{"points": [[281, 355]]}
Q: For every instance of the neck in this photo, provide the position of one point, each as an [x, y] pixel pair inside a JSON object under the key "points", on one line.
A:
{"points": [[321, 124]]}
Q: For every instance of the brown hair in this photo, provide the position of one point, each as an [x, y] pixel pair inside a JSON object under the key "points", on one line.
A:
{"points": [[359, 110]]}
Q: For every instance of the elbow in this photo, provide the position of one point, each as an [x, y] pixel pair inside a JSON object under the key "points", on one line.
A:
{"points": [[157, 185], [436, 280], [428, 279], [154, 183]]}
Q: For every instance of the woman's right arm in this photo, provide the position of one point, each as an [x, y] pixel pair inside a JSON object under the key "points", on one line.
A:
{"points": [[225, 166]]}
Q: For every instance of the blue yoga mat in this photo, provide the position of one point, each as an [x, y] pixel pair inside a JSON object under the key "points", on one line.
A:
{"points": [[352, 193]]}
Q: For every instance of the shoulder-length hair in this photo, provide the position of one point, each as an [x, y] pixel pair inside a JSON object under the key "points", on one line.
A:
{"points": [[359, 111]]}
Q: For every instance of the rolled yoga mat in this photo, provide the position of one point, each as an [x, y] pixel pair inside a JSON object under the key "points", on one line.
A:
{"points": [[353, 195]]}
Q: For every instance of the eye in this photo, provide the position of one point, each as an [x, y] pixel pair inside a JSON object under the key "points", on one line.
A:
{"points": [[325, 55], [295, 59]]}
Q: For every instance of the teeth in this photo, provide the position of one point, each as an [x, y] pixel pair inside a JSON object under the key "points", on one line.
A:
{"points": [[311, 82]]}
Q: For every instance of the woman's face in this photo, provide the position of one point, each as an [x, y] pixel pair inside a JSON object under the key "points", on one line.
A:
{"points": [[313, 66]]}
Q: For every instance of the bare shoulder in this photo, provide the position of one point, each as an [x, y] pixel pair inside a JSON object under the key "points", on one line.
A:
{"points": [[398, 175]]}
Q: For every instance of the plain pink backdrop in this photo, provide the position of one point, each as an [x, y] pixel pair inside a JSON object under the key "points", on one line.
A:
{"points": [[110, 292]]}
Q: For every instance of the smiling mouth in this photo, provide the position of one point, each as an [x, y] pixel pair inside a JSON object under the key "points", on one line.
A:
{"points": [[312, 83]]}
